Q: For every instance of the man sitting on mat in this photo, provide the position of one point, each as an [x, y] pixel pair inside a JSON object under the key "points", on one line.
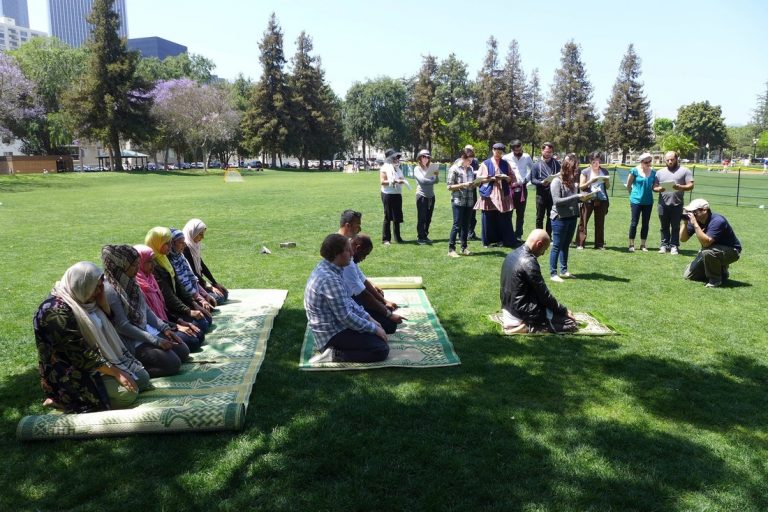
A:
{"points": [[338, 323], [527, 306], [360, 288]]}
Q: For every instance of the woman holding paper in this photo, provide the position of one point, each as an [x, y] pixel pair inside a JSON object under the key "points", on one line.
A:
{"points": [[461, 177], [495, 199], [426, 175], [640, 183], [565, 212], [391, 180], [593, 179]]}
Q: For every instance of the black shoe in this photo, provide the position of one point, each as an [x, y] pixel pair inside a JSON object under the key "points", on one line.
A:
{"points": [[421, 241], [473, 237], [428, 240], [399, 240]]}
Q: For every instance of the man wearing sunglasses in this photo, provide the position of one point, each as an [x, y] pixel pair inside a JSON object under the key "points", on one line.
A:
{"points": [[719, 245]]}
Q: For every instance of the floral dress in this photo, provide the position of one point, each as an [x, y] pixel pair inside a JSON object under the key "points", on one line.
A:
{"points": [[66, 362]]}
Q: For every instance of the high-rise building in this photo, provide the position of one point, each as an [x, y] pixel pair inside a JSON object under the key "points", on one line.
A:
{"points": [[69, 20], [16, 9], [156, 47], [12, 35]]}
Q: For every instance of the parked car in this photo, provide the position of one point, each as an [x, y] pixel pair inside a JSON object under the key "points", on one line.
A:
{"points": [[151, 166], [185, 165], [256, 164]]}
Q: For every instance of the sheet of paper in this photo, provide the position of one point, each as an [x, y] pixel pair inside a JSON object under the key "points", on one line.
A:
{"points": [[669, 186]]}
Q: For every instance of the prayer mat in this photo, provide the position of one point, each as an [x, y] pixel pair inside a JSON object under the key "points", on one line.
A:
{"points": [[419, 342], [388, 283], [588, 326], [210, 392]]}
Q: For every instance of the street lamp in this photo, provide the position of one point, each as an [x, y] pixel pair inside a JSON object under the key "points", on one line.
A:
{"points": [[754, 148], [707, 146]]}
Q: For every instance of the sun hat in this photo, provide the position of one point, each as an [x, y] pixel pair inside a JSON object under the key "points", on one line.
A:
{"points": [[422, 153], [645, 156]]}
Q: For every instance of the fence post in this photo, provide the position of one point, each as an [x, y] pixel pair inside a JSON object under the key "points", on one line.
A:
{"points": [[738, 187], [613, 181], [693, 178]]}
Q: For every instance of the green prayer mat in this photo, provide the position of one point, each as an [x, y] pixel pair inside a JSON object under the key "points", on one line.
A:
{"points": [[419, 342], [588, 326], [210, 392], [388, 283]]}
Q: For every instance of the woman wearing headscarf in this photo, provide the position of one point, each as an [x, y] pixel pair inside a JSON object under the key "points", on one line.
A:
{"points": [[187, 278], [84, 367], [391, 180], [189, 333], [178, 302], [149, 338], [194, 232]]}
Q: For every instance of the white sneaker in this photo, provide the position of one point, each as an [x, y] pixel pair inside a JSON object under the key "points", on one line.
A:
{"points": [[324, 357], [453, 254], [673, 250], [466, 252], [662, 250], [568, 275], [631, 248], [557, 279]]}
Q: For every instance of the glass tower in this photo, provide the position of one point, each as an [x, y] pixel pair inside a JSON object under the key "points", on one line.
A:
{"points": [[16, 9], [68, 20]]}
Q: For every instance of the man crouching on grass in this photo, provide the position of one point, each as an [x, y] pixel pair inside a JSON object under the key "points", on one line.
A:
{"points": [[719, 245], [341, 327], [527, 306]]}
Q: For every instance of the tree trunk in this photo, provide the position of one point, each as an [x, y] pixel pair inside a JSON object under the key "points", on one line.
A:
{"points": [[117, 158], [365, 160]]}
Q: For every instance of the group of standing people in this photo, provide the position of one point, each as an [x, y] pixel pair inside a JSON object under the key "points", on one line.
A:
{"points": [[101, 335]]}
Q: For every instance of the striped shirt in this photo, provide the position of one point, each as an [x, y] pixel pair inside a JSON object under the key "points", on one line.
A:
{"points": [[329, 307]]}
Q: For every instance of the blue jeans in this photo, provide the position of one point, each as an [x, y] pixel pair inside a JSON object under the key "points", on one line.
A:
{"points": [[358, 347], [562, 234], [462, 215], [669, 218]]}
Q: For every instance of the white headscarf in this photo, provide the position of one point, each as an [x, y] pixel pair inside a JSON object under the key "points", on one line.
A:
{"points": [[191, 230], [75, 288]]}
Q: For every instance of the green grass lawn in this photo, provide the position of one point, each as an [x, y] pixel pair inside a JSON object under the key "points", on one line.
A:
{"points": [[671, 415]]}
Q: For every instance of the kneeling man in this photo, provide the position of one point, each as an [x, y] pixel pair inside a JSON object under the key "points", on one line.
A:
{"points": [[719, 245], [338, 322], [526, 303]]}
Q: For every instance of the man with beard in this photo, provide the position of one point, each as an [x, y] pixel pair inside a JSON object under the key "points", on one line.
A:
{"points": [[545, 167], [670, 207], [522, 165]]}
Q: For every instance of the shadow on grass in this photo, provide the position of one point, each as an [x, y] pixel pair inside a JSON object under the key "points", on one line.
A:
{"points": [[513, 427], [596, 276], [29, 183]]}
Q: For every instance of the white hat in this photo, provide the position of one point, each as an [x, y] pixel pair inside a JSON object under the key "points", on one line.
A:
{"points": [[469, 146], [422, 153], [645, 156], [697, 204]]}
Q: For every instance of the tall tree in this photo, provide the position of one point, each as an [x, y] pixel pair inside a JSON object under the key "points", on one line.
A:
{"points": [[703, 123], [18, 101], [516, 122], [387, 97], [535, 106], [358, 117], [420, 104], [452, 106], [113, 102], [267, 120], [627, 122], [313, 107], [53, 67], [662, 126], [760, 114], [489, 88], [571, 122]]}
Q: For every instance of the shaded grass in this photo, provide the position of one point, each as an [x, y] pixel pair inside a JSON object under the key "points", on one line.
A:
{"points": [[670, 415]]}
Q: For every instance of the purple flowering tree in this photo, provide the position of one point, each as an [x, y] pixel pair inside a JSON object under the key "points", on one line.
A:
{"points": [[18, 101], [199, 114]]}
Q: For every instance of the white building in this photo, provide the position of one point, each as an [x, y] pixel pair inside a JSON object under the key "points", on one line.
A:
{"points": [[12, 36]]}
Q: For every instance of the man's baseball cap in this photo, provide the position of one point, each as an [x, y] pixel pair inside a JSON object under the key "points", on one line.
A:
{"points": [[697, 204]]}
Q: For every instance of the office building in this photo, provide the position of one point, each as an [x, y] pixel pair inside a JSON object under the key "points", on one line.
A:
{"points": [[68, 20], [156, 47], [12, 35], [16, 9]]}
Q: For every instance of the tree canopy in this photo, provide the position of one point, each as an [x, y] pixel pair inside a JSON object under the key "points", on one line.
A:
{"points": [[703, 123]]}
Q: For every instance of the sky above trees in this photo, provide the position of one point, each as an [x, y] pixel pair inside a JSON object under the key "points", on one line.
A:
{"points": [[690, 50]]}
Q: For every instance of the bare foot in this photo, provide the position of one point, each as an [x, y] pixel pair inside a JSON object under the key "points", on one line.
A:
{"points": [[48, 402], [518, 329]]}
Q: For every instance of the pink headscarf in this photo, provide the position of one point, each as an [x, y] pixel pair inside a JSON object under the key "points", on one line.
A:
{"points": [[148, 283]]}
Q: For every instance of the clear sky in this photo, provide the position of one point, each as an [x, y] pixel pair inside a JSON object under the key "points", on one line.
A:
{"points": [[691, 50]]}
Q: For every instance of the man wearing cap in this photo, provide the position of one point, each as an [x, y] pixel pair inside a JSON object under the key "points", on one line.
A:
{"points": [[670, 206], [526, 303], [542, 169], [495, 200], [522, 165], [426, 176], [719, 245], [391, 180]]}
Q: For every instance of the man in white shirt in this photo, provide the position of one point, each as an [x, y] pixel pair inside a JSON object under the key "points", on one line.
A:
{"points": [[522, 163]]}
